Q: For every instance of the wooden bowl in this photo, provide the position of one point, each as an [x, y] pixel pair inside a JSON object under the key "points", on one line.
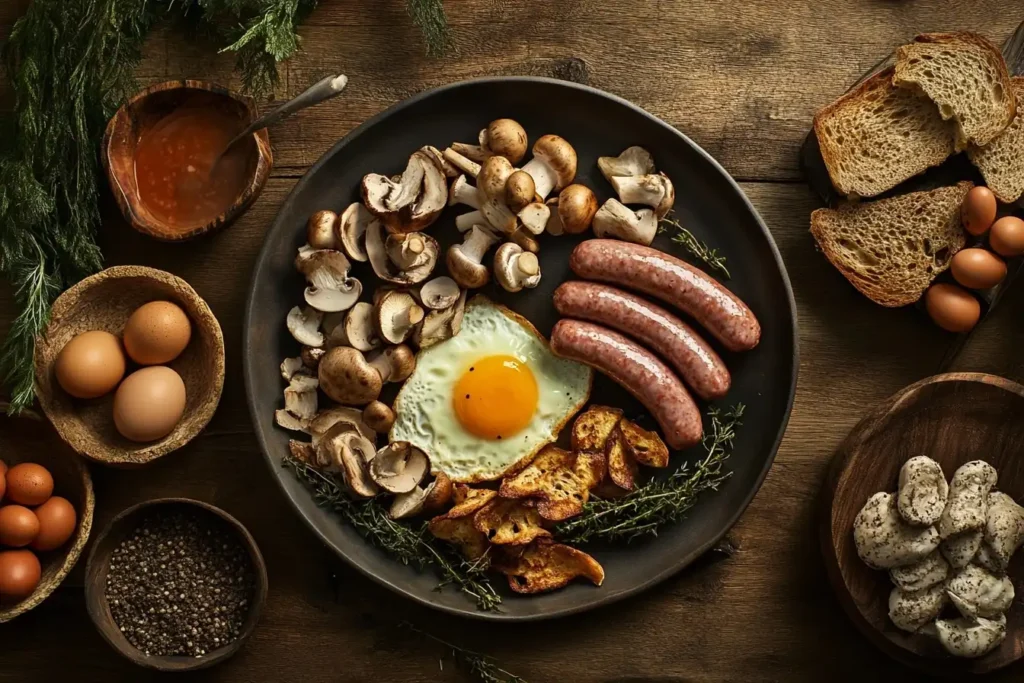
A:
{"points": [[96, 582], [104, 302], [952, 418], [29, 438], [151, 105]]}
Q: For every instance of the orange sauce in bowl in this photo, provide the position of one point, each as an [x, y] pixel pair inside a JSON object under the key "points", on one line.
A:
{"points": [[174, 166]]}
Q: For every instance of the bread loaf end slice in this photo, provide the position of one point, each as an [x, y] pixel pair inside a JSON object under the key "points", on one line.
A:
{"points": [[1001, 161]]}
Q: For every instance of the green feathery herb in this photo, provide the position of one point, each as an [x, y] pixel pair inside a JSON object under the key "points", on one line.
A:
{"points": [[698, 249], [70, 64], [479, 666], [411, 545], [647, 509]]}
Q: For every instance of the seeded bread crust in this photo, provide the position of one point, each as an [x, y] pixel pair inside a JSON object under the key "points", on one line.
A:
{"points": [[892, 249], [1001, 162], [877, 135]]}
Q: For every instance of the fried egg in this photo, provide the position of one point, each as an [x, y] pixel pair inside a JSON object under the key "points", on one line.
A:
{"points": [[488, 398]]}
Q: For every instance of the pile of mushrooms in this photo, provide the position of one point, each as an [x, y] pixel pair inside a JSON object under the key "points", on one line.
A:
{"points": [[947, 548]]}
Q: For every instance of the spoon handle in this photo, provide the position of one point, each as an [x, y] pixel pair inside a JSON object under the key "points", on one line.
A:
{"points": [[318, 92]]}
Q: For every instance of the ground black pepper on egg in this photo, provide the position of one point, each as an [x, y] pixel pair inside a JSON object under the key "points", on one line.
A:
{"points": [[180, 584]]}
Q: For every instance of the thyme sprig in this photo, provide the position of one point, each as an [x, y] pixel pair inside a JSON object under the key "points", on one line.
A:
{"points": [[409, 543], [695, 247], [645, 510], [480, 666]]}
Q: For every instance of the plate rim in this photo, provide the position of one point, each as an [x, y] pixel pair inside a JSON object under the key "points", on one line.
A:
{"points": [[603, 601]]}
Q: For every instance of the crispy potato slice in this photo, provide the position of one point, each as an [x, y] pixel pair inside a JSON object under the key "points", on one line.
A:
{"points": [[468, 500], [461, 533], [545, 565], [509, 522], [592, 428], [622, 468], [646, 447], [565, 491], [530, 481]]}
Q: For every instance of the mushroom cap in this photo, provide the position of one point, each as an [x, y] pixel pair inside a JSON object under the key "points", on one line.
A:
{"points": [[440, 325], [439, 493], [559, 155], [385, 268], [409, 250], [347, 377], [348, 453], [506, 138], [379, 417], [330, 288], [395, 315], [632, 161], [399, 467], [414, 201], [519, 190], [350, 230], [534, 217], [286, 420], [304, 324], [328, 418], [408, 504], [464, 270], [461, 192], [515, 268], [525, 240], [576, 205], [494, 173], [360, 331], [394, 364], [311, 356], [320, 230], [440, 293]]}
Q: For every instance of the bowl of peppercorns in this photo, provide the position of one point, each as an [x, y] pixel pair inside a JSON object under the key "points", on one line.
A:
{"points": [[175, 584]]}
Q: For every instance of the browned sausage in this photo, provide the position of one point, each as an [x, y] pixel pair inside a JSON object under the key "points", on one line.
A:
{"points": [[638, 370], [665, 334], [663, 276]]}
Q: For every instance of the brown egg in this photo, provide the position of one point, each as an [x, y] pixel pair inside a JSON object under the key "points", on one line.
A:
{"points": [[149, 403], [952, 308], [977, 268], [28, 484], [57, 521], [18, 526], [978, 210], [157, 333], [3, 485], [1007, 236], [19, 574], [3, 468], [90, 365]]}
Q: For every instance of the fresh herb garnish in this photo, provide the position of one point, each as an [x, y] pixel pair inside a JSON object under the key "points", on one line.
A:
{"points": [[409, 543], [696, 248], [480, 666], [645, 510]]}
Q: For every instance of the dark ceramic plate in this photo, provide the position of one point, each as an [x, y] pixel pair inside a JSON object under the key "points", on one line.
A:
{"points": [[708, 201]]}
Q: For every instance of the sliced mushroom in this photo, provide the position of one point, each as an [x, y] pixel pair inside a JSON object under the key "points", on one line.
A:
{"points": [[408, 251], [441, 324], [408, 504], [328, 418], [461, 192], [393, 364], [333, 328], [515, 269], [300, 396], [442, 163], [359, 329], [520, 190], [461, 162], [931, 570], [302, 451], [377, 250], [970, 638], [616, 220], [572, 211], [922, 491], [351, 230], [320, 230], [414, 201], [330, 288], [399, 467], [911, 610], [967, 506], [347, 377], [884, 540], [379, 417], [311, 357], [960, 549], [534, 217], [395, 316], [502, 137], [290, 366], [347, 453], [633, 161], [525, 240], [286, 420], [439, 293], [553, 165], [465, 260], [654, 190], [976, 592], [439, 493], [1004, 532], [304, 324]]}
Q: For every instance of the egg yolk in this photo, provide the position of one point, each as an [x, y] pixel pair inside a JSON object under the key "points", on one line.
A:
{"points": [[495, 397]]}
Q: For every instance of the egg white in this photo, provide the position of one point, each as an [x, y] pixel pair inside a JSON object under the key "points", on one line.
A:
{"points": [[425, 415]]}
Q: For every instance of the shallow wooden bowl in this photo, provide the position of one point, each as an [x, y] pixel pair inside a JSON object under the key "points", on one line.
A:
{"points": [[147, 107], [105, 301], [29, 438], [96, 582], [953, 418]]}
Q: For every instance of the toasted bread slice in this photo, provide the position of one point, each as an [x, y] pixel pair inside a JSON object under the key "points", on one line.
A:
{"points": [[461, 533], [1001, 161], [622, 468], [892, 249], [545, 565], [966, 77], [878, 135], [509, 522], [468, 500], [530, 482], [646, 447], [567, 491], [592, 428]]}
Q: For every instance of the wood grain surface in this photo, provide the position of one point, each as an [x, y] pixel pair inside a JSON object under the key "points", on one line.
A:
{"points": [[743, 80]]}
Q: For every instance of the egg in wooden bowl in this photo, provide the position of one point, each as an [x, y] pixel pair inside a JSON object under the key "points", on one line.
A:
{"points": [[131, 366]]}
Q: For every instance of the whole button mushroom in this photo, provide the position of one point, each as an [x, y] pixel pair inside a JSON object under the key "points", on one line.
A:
{"points": [[884, 540], [910, 610], [968, 498], [349, 378], [922, 491], [553, 165]]}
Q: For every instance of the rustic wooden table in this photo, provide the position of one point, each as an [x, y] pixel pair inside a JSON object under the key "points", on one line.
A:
{"points": [[743, 80]]}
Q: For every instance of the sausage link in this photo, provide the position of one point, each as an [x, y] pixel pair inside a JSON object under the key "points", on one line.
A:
{"points": [[665, 334], [638, 370], [663, 276]]}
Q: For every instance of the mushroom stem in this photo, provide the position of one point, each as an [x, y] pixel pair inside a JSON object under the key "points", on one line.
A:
{"points": [[461, 192], [653, 190], [543, 176], [467, 166], [407, 251], [468, 220], [477, 242], [472, 152]]}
